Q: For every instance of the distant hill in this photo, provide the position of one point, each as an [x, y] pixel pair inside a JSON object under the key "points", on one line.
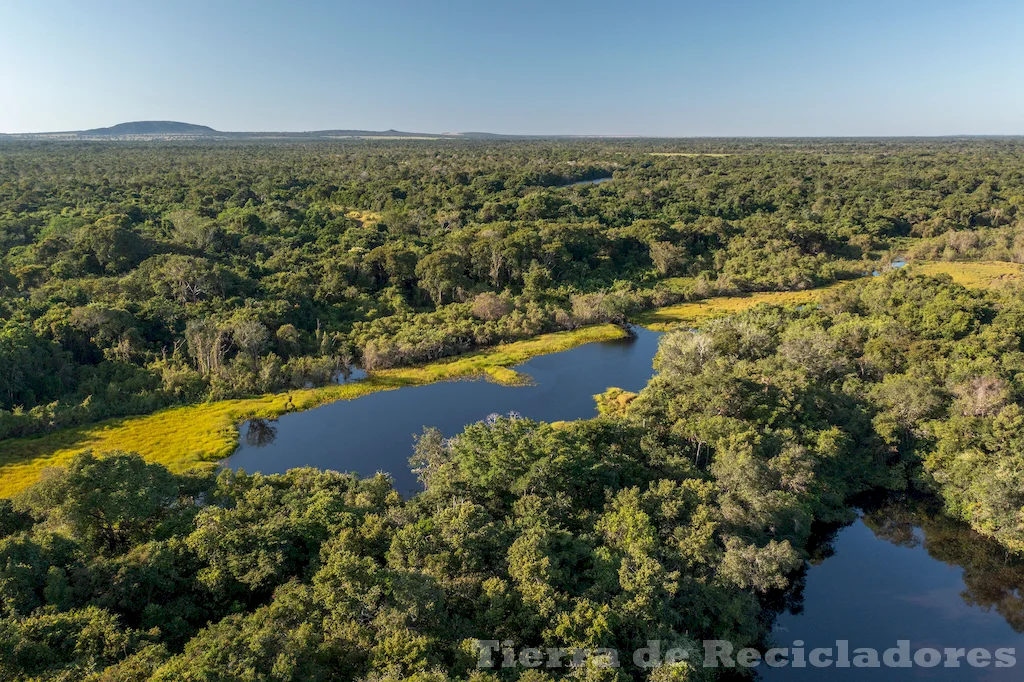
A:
{"points": [[164, 130], [150, 128]]}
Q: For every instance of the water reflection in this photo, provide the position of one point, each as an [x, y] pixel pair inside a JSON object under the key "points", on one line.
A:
{"points": [[902, 571], [349, 373], [993, 578], [260, 433], [375, 432]]}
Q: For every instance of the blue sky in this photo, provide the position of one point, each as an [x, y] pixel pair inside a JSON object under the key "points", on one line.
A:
{"points": [[732, 67]]}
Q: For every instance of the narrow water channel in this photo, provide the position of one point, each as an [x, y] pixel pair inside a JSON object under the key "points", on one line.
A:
{"points": [[595, 181]]}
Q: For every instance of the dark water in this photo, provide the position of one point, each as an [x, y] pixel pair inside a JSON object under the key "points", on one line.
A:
{"points": [[900, 573], [595, 181], [375, 432]]}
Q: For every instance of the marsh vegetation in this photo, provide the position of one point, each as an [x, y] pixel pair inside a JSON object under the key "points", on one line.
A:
{"points": [[153, 297]]}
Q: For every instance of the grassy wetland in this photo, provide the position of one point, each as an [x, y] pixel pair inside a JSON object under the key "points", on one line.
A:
{"points": [[156, 295], [181, 438]]}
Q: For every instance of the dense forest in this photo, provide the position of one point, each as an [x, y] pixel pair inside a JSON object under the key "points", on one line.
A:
{"points": [[142, 275], [683, 516], [134, 275]]}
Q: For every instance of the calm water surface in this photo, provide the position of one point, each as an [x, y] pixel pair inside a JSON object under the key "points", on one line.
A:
{"points": [[375, 432], [896, 573], [902, 574], [595, 181]]}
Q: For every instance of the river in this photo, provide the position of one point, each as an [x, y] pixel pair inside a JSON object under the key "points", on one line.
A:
{"points": [[375, 432], [904, 571], [893, 574]]}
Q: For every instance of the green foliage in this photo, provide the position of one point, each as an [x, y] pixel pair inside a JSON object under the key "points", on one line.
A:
{"points": [[586, 535], [110, 253], [111, 503], [680, 516], [32, 369], [132, 278], [905, 376]]}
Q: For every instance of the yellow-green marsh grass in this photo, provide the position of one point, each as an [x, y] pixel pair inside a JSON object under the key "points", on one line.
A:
{"points": [[977, 274], [677, 284], [183, 437], [614, 401], [692, 314]]}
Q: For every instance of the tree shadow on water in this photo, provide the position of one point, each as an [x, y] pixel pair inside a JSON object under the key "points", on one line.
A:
{"points": [[260, 433], [993, 577]]}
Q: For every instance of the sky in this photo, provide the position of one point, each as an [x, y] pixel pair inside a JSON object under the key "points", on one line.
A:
{"points": [[658, 68]]}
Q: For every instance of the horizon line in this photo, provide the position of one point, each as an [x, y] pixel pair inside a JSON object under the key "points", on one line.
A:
{"points": [[392, 132]]}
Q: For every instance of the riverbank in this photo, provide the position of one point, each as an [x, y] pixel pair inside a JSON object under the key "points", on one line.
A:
{"points": [[903, 570], [184, 437], [970, 274], [692, 314], [974, 274], [201, 435]]}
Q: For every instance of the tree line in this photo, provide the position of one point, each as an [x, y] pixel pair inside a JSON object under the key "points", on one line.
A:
{"points": [[685, 514], [133, 276]]}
